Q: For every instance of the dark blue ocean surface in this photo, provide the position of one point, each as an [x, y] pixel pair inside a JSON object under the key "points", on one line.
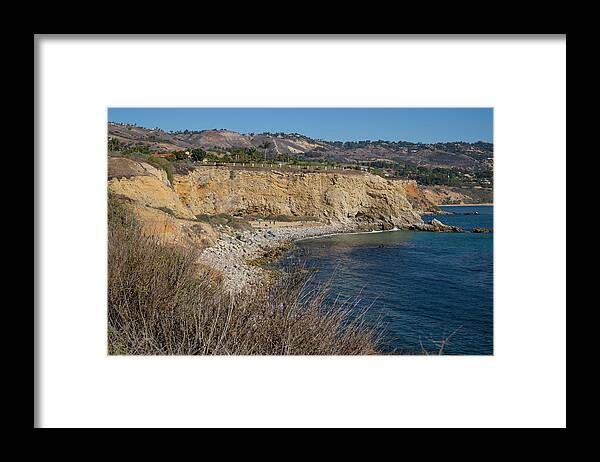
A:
{"points": [[421, 285]]}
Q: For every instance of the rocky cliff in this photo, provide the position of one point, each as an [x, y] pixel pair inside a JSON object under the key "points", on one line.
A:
{"points": [[332, 197], [418, 198]]}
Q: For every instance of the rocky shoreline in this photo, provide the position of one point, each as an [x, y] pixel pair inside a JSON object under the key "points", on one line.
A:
{"points": [[240, 256], [233, 255], [436, 226]]}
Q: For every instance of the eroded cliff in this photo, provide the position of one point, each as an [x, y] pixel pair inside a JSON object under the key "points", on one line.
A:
{"points": [[350, 198], [332, 197]]}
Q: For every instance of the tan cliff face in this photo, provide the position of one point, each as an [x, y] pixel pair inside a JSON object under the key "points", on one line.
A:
{"points": [[145, 185], [418, 198], [441, 195], [147, 191], [349, 197]]}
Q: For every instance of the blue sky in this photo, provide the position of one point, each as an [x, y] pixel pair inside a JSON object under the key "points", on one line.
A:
{"points": [[426, 125]]}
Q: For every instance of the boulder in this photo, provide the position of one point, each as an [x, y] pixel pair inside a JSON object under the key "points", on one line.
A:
{"points": [[436, 226]]}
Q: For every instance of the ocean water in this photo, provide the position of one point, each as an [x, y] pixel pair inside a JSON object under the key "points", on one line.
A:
{"points": [[422, 286]]}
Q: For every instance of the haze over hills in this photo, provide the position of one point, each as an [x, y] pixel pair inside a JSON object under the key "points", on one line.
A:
{"points": [[475, 158]]}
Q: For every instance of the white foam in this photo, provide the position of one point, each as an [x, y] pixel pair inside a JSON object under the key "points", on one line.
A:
{"points": [[344, 233]]}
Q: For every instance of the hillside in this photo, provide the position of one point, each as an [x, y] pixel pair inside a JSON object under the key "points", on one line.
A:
{"points": [[474, 158]]}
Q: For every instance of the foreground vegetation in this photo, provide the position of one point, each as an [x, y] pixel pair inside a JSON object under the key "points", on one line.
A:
{"points": [[160, 302]]}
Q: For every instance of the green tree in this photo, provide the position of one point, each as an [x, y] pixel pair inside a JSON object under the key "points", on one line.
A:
{"points": [[198, 154], [114, 144]]}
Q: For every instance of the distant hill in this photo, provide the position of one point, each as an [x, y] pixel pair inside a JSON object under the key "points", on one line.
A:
{"points": [[467, 157]]}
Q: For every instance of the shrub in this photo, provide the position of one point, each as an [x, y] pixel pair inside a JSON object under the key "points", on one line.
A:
{"points": [[114, 145], [162, 163], [166, 210], [203, 217], [198, 154], [161, 302]]}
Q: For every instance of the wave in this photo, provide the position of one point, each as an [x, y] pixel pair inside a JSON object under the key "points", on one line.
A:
{"points": [[347, 234]]}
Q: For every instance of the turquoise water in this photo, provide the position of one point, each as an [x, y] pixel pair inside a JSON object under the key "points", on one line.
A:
{"points": [[423, 286]]}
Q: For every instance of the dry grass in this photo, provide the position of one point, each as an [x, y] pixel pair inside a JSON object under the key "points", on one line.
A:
{"points": [[160, 302]]}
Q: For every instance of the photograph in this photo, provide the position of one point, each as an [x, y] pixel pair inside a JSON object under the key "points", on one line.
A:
{"points": [[300, 231]]}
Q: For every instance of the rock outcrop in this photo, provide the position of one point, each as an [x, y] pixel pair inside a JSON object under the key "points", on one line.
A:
{"points": [[419, 200], [437, 226], [144, 184], [147, 192], [348, 198]]}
